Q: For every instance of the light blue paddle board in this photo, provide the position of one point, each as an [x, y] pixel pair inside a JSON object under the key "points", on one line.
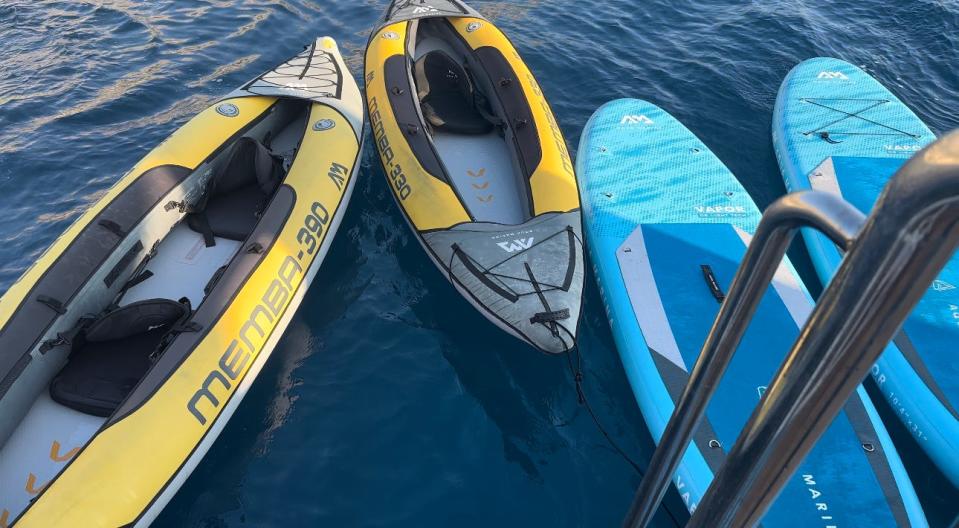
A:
{"points": [[838, 130], [667, 225]]}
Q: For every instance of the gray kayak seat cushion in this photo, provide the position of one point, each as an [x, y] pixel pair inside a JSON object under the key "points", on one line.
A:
{"points": [[238, 193], [110, 357], [448, 97]]}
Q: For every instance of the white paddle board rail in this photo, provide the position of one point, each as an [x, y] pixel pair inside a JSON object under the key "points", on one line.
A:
{"points": [[890, 263]]}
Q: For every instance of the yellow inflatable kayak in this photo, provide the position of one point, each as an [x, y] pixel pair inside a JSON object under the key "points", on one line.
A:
{"points": [[479, 166], [126, 348]]}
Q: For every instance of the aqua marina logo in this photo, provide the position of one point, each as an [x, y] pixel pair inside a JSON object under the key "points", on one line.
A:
{"points": [[832, 75], [516, 245], [636, 120]]}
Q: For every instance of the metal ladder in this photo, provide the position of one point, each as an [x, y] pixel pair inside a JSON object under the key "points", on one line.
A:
{"points": [[891, 259]]}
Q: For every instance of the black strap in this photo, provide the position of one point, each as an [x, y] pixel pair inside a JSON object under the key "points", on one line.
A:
{"points": [[482, 106], [185, 301], [202, 223], [52, 303], [140, 274], [137, 279], [484, 274], [182, 325], [214, 279], [480, 274], [549, 317], [112, 227], [50, 344], [186, 326], [481, 102], [536, 288], [179, 206], [67, 338], [123, 264], [571, 265], [713, 283]]}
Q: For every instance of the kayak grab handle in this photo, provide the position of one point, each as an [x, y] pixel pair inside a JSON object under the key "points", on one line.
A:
{"points": [[891, 259]]}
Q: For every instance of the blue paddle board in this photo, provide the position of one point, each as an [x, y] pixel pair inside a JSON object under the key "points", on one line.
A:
{"points": [[836, 129], [667, 225]]}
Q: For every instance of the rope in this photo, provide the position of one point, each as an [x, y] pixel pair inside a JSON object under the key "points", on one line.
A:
{"points": [[857, 116], [577, 373], [554, 328]]}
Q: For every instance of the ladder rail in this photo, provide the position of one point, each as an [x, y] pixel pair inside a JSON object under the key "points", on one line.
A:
{"points": [[890, 263], [818, 210]]}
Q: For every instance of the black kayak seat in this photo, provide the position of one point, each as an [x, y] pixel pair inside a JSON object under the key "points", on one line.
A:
{"points": [[447, 95], [110, 357], [237, 193]]}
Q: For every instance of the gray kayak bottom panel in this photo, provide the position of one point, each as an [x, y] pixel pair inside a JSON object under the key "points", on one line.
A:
{"points": [[527, 278]]}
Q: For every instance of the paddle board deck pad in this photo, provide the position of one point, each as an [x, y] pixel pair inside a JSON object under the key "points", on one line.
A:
{"points": [[128, 345], [667, 226], [836, 129], [479, 167]]}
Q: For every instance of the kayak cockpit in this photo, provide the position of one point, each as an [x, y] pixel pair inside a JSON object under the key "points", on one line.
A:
{"points": [[110, 355], [140, 300], [467, 125]]}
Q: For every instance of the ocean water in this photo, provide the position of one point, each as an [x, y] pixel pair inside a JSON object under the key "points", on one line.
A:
{"points": [[391, 401]]}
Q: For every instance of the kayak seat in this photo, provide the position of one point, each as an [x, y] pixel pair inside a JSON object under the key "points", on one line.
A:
{"points": [[447, 96], [109, 358], [237, 194]]}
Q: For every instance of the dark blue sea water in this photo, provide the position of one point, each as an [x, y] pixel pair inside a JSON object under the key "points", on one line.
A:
{"points": [[390, 401]]}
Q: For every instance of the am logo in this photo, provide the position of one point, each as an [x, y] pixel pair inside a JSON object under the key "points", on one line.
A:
{"points": [[636, 120], [516, 245], [832, 75]]}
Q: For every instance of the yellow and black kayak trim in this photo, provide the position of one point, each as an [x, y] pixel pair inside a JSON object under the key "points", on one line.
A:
{"points": [[122, 458], [479, 166]]}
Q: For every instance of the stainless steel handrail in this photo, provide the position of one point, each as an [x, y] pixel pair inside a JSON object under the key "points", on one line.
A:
{"points": [[889, 265], [822, 211]]}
